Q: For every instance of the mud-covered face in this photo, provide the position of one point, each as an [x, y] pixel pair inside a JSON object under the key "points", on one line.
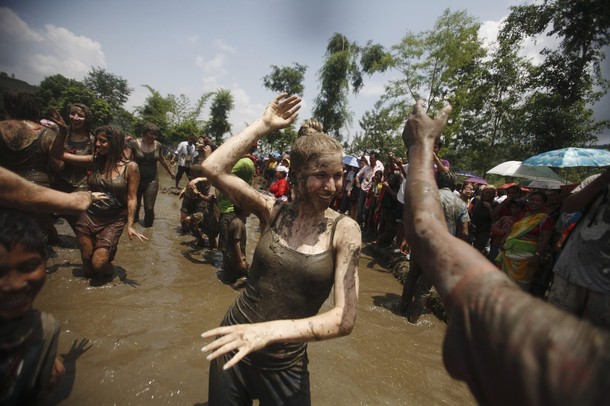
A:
{"points": [[22, 274], [102, 144], [321, 179], [77, 118]]}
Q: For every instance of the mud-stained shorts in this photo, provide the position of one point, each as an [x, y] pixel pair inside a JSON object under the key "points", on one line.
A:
{"points": [[105, 232], [582, 302]]}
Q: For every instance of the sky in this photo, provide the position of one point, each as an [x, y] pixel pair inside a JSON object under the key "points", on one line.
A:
{"points": [[195, 46]]}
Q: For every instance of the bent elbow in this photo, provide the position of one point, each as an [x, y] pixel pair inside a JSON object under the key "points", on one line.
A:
{"points": [[346, 326]]}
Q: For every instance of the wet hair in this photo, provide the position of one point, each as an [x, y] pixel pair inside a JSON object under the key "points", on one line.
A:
{"points": [[21, 105], [310, 144], [117, 145], [446, 179], [149, 127], [86, 111], [17, 229]]}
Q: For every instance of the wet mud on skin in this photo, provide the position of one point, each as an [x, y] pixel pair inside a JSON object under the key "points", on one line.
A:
{"points": [[143, 328]]}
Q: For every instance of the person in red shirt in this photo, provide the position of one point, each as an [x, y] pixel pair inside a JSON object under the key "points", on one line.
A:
{"points": [[280, 188]]}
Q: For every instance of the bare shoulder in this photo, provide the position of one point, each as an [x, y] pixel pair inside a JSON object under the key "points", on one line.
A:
{"points": [[131, 167], [347, 229]]}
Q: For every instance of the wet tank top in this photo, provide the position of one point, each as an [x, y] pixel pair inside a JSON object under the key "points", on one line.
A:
{"points": [[30, 162], [147, 161], [75, 176], [283, 284], [116, 189]]}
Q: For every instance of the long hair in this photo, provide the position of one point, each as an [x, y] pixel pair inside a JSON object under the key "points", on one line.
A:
{"points": [[310, 144], [88, 115], [116, 139]]}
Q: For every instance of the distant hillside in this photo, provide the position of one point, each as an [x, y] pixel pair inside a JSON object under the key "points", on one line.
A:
{"points": [[9, 83]]}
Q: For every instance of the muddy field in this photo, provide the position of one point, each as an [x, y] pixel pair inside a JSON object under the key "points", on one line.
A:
{"points": [[136, 341]]}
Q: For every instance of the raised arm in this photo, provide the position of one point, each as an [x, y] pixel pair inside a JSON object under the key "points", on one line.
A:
{"points": [[446, 259], [579, 200], [280, 113], [338, 321]]}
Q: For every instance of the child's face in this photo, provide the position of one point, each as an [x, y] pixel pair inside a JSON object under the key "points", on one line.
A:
{"points": [[22, 274]]}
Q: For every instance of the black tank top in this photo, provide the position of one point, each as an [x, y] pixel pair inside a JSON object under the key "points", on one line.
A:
{"points": [[283, 284]]}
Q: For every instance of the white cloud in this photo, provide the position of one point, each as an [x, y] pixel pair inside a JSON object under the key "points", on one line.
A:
{"points": [[212, 66], [193, 39], [220, 44], [34, 54], [488, 33], [13, 26], [530, 48]]}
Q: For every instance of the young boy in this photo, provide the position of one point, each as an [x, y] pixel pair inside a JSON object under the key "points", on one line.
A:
{"points": [[234, 264], [29, 366]]}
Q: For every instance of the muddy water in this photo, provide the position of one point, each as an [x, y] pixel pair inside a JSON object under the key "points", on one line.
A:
{"points": [[141, 333]]}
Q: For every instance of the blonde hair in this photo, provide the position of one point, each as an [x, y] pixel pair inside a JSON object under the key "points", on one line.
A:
{"points": [[310, 144]]}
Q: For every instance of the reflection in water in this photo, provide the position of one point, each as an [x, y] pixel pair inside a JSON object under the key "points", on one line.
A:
{"points": [[144, 328]]}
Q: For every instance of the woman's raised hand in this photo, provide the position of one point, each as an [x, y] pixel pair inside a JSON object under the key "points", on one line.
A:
{"points": [[282, 111], [420, 126], [58, 119]]}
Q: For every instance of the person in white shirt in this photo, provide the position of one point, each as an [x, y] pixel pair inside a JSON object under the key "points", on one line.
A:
{"points": [[185, 153], [364, 179]]}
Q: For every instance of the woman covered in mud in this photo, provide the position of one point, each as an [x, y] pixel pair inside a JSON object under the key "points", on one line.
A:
{"points": [[99, 228], [146, 153], [305, 250]]}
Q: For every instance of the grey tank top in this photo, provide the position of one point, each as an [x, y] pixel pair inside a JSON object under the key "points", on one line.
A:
{"points": [[283, 284], [115, 189]]}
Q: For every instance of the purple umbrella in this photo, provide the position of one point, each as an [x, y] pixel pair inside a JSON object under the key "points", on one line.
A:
{"points": [[476, 179]]}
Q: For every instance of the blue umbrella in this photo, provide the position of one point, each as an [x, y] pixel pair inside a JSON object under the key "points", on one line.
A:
{"points": [[351, 161], [570, 157], [463, 172]]}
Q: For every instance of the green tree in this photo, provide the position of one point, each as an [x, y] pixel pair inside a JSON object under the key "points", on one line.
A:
{"points": [[283, 80], [339, 74], [444, 64], [218, 124], [156, 109], [286, 79], [380, 134], [58, 92], [109, 87], [556, 112]]}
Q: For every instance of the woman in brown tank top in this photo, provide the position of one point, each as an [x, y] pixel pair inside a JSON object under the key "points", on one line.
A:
{"points": [[99, 228], [257, 337]]}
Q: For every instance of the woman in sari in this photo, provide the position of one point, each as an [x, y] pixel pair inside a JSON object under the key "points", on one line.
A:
{"points": [[527, 242]]}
